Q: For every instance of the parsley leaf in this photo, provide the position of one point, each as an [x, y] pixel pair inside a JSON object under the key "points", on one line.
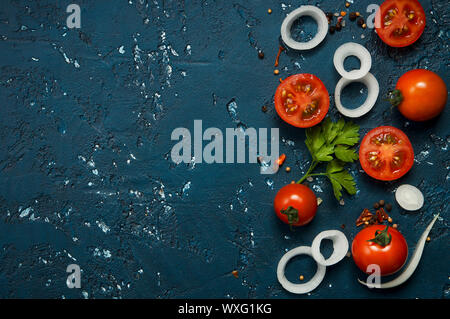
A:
{"points": [[332, 142]]}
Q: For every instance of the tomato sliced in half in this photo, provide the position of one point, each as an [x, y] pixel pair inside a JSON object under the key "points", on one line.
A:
{"points": [[386, 153], [400, 23], [302, 100]]}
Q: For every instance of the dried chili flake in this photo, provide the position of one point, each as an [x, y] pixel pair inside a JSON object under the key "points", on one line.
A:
{"points": [[281, 159], [280, 49]]}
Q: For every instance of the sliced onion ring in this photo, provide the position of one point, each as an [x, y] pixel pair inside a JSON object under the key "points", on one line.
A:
{"points": [[352, 49], [340, 247], [312, 284], [322, 27], [373, 89], [409, 197]]}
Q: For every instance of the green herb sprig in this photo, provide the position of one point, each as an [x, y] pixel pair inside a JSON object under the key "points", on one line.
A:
{"points": [[333, 143]]}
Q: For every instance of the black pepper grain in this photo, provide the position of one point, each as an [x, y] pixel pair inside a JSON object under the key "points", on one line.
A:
{"points": [[332, 29], [352, 16], [264, 108], [360, 22], [376, 205], [381, 202], [338, 26], [261, 55], [388, 207]]}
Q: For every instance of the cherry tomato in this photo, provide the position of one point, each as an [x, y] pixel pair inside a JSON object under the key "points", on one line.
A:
{"points": [[380, 245], [400, 23], [420, 95], [295, 204], [302, 100], [386, 153]]}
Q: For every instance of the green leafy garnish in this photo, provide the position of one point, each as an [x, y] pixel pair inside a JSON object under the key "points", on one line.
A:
{"points": [[333, 143]]}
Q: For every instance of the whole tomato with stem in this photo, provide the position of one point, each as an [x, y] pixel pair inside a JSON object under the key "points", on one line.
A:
{"points": [[295, 204], [419, 95], [380, 245]]}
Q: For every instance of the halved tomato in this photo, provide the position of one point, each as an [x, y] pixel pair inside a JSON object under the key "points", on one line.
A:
{"points": [[386, 153], [400, 23], [302, 100]]}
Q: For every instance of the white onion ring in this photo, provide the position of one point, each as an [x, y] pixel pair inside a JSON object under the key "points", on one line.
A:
{"points": [[373, 89], [312, 284], [322, 27], [409, 197], [357, 50], [340, 247]]}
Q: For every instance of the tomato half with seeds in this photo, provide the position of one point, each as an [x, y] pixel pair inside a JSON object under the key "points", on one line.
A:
{"points": [[400, 23], [302, 100], [386, 153]]}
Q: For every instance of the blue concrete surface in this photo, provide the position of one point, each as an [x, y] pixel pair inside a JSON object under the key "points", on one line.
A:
{"points": [[85, 169]]}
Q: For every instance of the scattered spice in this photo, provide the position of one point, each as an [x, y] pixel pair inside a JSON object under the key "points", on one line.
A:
{"points": [[357, 13], [381, 202], [260, 54], [288, 169], [329, 16], [394, 226], [388, 207], [428, 238], [376, 205], [332, 29], [338, 26], [343, 226], [235, 273], [352, 16], [348, 254], [343, 13], [269, 11], [364, 26], [301, 277], [280, 49], [390, 219], [292, 182], [347, 4], [276, 72], [281, 159], [367, 218], [264, 108], [281, 80]]}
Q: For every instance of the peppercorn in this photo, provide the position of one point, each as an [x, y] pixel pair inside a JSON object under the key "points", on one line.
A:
{"points": [[376, 205], [288, 169], [264, 108], [428, 238], [395, 226], [347, 4], [329, 15], [301, 277], [261, 55], [381, 202], [364, 26], [357, 13], [338, 26], [269, 11], [388, 207], [352, 16], [332, 29], [343, 13], [276, 71], [360, 22], [390, 219]]}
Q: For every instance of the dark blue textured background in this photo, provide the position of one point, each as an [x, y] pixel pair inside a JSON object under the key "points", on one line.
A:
{"points": [[85, 169]]}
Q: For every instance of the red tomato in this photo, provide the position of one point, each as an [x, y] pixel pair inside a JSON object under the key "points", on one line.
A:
{"points": [[420, 95], [295, 204], [386, 153], [400, 23], [390, 257], [302, 100]]}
